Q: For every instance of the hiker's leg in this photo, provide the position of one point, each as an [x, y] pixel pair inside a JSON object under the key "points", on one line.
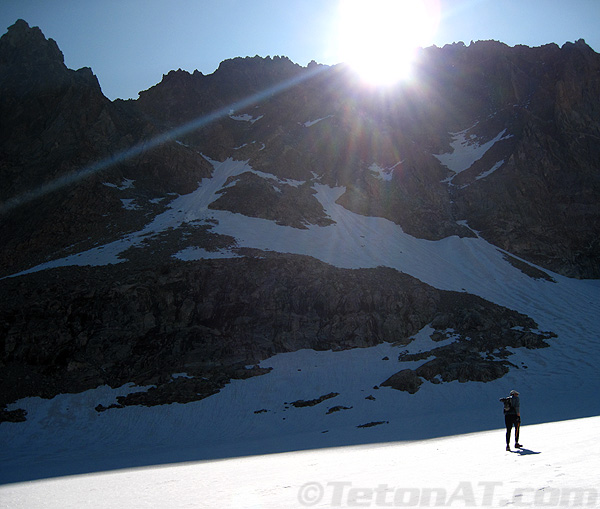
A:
{"points": [[508, 423], [517, 429]]}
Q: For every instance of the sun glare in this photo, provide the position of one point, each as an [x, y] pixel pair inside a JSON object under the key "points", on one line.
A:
{"points": [[379, 39]]}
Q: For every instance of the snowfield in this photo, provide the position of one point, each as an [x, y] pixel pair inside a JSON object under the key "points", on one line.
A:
{"points": [[557, 468], [363, 445]]}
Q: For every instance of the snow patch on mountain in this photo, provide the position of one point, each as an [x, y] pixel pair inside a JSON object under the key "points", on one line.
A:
{"points": [[310, 123], [423, 342], [245, 118], [490, 171], [466, 150], [129, 204], [192, 253], [385, 174], [270, 176], [125, 184]]}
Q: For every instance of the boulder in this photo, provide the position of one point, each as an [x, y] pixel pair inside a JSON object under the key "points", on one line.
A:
{"points": [[406, 380]]}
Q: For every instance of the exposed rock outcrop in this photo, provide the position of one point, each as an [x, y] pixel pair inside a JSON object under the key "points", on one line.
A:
{"points": [[72, 329], [405, 380]]}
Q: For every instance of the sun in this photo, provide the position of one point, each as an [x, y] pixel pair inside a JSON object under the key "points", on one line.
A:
{"points": [[379, 39]]}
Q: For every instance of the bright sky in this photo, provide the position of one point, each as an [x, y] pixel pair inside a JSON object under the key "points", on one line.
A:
{"points": [[130, 44]]}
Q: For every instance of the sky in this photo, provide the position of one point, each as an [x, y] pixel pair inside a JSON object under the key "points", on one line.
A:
{"points": [[130, 44]]}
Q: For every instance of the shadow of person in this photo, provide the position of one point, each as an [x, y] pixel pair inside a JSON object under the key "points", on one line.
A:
{"points": [[524, 452]]}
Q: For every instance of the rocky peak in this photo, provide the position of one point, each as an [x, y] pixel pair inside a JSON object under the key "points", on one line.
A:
{"points": [[257, 63], [23, 43], [22, 39], [179, 76], [181, 96], [579, 44], [33, 66]]}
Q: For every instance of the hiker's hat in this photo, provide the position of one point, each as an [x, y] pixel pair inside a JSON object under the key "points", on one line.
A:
{"points": [[513, 392]]}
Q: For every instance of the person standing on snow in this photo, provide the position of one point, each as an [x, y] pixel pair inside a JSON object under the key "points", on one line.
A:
{"points": [[512, 417]]}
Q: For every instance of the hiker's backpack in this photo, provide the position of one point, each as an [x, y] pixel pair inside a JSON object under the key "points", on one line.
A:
{"points": [[507, 403]]}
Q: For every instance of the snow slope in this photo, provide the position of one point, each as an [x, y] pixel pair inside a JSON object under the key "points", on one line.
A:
{"points": [[466, 150], [66, 435], [556, 468]]}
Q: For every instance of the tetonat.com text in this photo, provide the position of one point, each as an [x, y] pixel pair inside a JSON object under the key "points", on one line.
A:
{"points": [[466, 494]]}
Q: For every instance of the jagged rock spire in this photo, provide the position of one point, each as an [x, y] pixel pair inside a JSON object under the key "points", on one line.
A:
{"points": [[25, 44]]}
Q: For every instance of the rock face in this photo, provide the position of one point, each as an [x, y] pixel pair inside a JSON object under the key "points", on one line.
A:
{"points": [[498, 140], [537, 203], [478, 351], [215, 320], [289, 205]]}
